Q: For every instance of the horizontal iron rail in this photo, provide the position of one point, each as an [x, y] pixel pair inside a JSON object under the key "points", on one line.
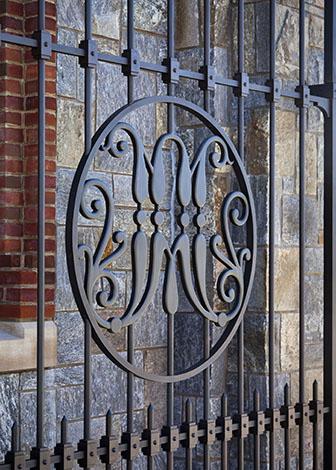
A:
{"points": [[298, 94], [122, 450]]}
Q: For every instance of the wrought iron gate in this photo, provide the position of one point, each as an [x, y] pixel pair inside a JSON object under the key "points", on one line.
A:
{"points": [[95, 287]]}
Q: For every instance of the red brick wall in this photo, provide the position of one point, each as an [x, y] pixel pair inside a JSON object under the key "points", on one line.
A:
{"points": [[18, 165]]}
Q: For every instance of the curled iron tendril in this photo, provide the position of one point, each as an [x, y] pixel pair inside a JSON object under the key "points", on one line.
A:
{"points": [[101, 284], [236, 260]]}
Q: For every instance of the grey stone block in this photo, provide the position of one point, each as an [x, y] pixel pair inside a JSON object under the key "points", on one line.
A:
{"points": [[28, 419], [70, 337], [9, 409], [290, 223], [109, 386], [67, 66]]}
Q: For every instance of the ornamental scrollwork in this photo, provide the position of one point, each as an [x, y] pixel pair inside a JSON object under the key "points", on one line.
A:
{"points": [[189, 256], [160, 263]]}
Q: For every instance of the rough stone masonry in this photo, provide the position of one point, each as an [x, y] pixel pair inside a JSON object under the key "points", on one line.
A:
{"points": [[64, 382]]}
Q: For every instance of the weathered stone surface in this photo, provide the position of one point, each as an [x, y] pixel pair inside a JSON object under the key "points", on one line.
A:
{"points": [[311, 155], [28, 419], [188, 349], [64, 299], [313, 308], [70, 337], [315, 68], [67, 66], [155, 361], [316, 31], [287, 52], [314, 260], [109, 385], [186, 33], [70, 13], [28, 379], [289, 341], [290, 221], [111, 91], [150, 15], [257, 142], [70, 402], [9, 409], [249, 38], [106, 18], [70, 132], [286, 279], [73, 375]]}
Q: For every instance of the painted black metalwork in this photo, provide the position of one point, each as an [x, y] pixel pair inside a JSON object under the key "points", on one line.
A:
{"points": [[91, 200], [149, 182]]}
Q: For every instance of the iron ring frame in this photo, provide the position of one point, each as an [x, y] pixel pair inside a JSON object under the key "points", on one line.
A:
{"points": [[74, 268]]}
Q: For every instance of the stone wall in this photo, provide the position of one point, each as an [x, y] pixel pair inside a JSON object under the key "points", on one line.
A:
{"points": [[64, 395]]}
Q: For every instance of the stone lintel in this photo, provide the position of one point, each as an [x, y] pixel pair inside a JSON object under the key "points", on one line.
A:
{"points": [[18, 345]]}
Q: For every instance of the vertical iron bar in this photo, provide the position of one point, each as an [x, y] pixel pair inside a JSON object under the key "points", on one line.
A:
{"points": [[302, 115], [206, 323], [188, 409], [329, 373], [15, 437], [316, 430], [64, 430], [150, 425], [240, 336], [287, 431], [256, 435], [41, 237], [170, 333], [108, 431], [271, 227], [87, 142], [130, 331], [224, 446], [130, 45], [171, 54], [170, 387]]}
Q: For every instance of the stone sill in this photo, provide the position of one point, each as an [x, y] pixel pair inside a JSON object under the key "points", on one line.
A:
{"points": [[18, 345]]}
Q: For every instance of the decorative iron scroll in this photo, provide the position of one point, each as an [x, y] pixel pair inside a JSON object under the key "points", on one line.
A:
{"points": [[93, 281]]}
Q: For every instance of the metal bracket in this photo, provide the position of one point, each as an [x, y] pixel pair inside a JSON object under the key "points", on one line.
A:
{"points": [[289, 412], [66, 451], [112, 450], [89, 447], [243, 422], [192, 437], [317, 406], [259, 419], [209, 426], [275, 93], [90, 59], [132, 68], [42, 456], [303, 408], [274, 415], [173, 71], [43, 50], [209, 78], [16, 459], [226, 423], [173, 434], [243, 84], [153, 442], [304, 100], [133, 445]]}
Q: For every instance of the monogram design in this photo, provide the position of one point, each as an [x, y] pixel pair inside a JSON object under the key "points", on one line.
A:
{"points": [[183, 259]]}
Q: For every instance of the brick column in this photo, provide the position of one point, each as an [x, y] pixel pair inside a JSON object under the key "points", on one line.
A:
{"points": [[18, 166]]}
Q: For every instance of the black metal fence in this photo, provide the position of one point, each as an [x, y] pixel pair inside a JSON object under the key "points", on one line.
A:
{"points": [[225, 428]]}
